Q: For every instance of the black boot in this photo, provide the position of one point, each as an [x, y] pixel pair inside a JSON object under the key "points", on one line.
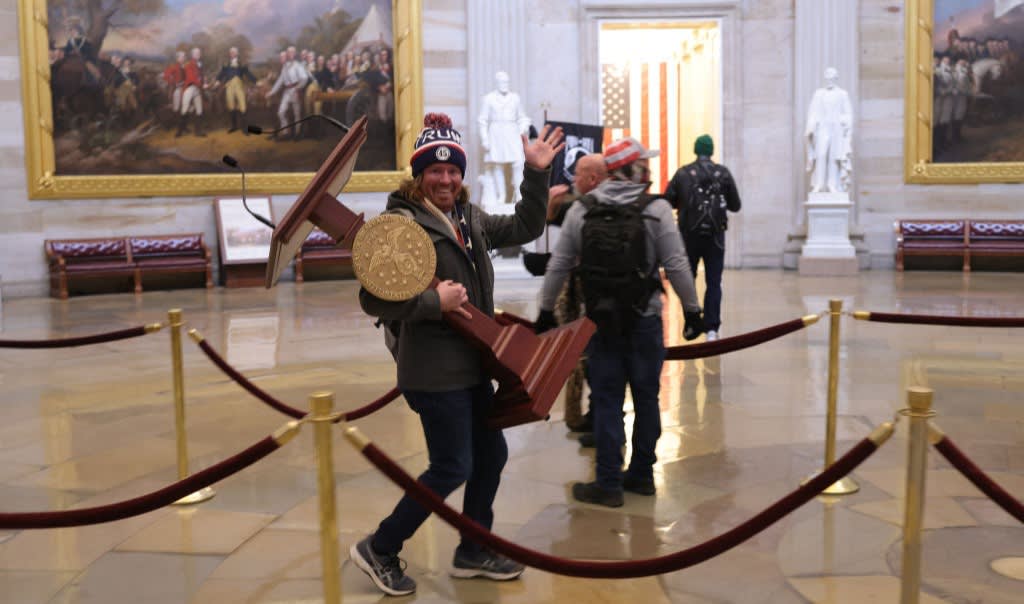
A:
{"points": [[234, 122], [181, 127], [197, 127], [242, 124]]}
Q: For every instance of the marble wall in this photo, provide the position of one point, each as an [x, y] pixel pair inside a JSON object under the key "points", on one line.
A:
{"points": [[759, 111]]}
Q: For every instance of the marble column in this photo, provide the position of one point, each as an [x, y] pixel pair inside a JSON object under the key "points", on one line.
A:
{"points": [[496, 39], [826, 34]]}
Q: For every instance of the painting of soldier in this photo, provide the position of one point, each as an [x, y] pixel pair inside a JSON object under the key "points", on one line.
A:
{"points": [[978, 81], [170, 86]]}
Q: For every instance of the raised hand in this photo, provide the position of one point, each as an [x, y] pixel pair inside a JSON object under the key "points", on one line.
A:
{"points": [[541, 151]]}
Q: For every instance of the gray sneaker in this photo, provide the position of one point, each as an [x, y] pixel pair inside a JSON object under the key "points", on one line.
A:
{"points": [[387, 572], [488, 564]]}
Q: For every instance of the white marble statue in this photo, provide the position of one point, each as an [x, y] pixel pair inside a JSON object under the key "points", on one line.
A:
{"points": [[829, 135], [502, 122]]}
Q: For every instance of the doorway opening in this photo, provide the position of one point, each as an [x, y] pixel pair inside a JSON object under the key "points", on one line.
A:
{"points": [[661, 83]]}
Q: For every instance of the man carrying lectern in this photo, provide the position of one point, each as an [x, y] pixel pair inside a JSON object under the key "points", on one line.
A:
{"points": [[439, 372]]}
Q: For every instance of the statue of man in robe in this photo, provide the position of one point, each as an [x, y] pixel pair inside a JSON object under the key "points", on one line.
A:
{"points": [[502, 124], [829, 135]]}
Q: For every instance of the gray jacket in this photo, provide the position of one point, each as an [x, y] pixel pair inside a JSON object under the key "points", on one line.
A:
{"points": [[431, 356], [664, 247]]}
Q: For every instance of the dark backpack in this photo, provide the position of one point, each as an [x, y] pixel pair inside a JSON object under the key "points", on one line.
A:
{"points": [[706, 206], [613, 256]]}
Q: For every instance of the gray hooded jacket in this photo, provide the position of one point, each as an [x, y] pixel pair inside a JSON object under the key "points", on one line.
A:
{"points": [[664, 247]]}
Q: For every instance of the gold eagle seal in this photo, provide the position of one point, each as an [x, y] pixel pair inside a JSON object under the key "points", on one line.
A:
{"points": [[393, 257]]}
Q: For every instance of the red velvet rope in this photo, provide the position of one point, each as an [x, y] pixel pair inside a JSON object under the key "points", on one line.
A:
{"points": [[704, 349], [977, 476], [249, 387], [744, 340], [288, 410], [630, 568], [122, 334], [887, 317], [365, 410], [144, 503]]}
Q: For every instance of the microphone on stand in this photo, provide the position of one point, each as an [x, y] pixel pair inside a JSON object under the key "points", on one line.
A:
{"points": [[331, 120], [232, 162]]}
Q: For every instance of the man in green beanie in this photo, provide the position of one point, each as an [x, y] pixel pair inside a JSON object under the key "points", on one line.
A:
{"points": [[702, 192]]}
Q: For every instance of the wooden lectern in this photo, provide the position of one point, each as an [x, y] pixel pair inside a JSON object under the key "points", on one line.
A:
{"points": [[530, 369], [319, 206]]}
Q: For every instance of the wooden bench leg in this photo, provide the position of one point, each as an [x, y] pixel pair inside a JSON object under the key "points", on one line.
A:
{"points": [[899, 259], [299, 277], [209, 277], [967, 261], [137, 276]]}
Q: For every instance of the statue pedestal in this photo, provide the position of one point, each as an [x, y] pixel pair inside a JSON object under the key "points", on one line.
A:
{"points": [[828, 250]]}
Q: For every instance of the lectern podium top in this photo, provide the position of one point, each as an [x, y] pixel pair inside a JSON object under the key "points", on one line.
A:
{"points": [[318, 205]]}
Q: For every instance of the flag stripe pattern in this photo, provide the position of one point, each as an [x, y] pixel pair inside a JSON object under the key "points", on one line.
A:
{"points": [[651, 106]]}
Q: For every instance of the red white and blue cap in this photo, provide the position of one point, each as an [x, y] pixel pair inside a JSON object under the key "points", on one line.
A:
{"points": [[626, 151], [437, 143]]}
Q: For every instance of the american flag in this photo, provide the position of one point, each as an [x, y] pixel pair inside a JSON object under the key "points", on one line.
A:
{"points": [[642, 100]]}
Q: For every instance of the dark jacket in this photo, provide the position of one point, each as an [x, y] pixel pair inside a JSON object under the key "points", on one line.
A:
{"points": [[431, 356], [227, 73], [681, 187]]}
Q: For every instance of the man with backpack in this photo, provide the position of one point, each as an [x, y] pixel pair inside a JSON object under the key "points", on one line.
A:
{"points": [[617, 237], [702, 192]]}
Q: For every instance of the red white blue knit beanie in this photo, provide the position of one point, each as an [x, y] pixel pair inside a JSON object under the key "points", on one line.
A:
{"points": [[437, 143]]}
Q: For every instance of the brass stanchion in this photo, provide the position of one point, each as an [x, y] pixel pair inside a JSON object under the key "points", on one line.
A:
{"points": [[178, 369], [920, 401], [846, 484], [322, 404]]}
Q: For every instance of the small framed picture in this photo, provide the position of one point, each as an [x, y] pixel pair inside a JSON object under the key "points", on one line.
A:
{"points": [[243, 238]]}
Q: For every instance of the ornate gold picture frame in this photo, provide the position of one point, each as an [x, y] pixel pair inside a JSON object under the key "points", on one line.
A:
{"points": [[929, 130], [42, 49]]}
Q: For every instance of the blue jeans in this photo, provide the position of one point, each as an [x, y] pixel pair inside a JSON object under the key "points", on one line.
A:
{"points": [[462, 449], [712, 251], [613, 360]]}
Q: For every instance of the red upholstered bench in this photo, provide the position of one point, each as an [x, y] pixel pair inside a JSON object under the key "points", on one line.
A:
{"points": [[995, 238], [86, 259], [931, 238], [320, 249], [83, 260], [170, 254]]}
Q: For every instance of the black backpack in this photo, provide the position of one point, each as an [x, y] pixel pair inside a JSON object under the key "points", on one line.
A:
{"points": [[613, 256], [706, 207]]}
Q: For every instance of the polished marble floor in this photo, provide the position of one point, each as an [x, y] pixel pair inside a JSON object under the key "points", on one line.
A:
{"points": [[94, 425]]}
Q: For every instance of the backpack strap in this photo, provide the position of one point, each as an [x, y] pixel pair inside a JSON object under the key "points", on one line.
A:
{"points": [[653, 282], [588, 201], [647, 199]]}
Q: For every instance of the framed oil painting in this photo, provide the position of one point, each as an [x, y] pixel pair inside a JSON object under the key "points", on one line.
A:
{"points": [[964, 91], [142, 98]]}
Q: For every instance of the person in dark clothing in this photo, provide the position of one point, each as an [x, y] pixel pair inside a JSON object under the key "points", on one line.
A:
{"points": [[590, 172], [439, 372], [233, 76], [702, 192]]}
